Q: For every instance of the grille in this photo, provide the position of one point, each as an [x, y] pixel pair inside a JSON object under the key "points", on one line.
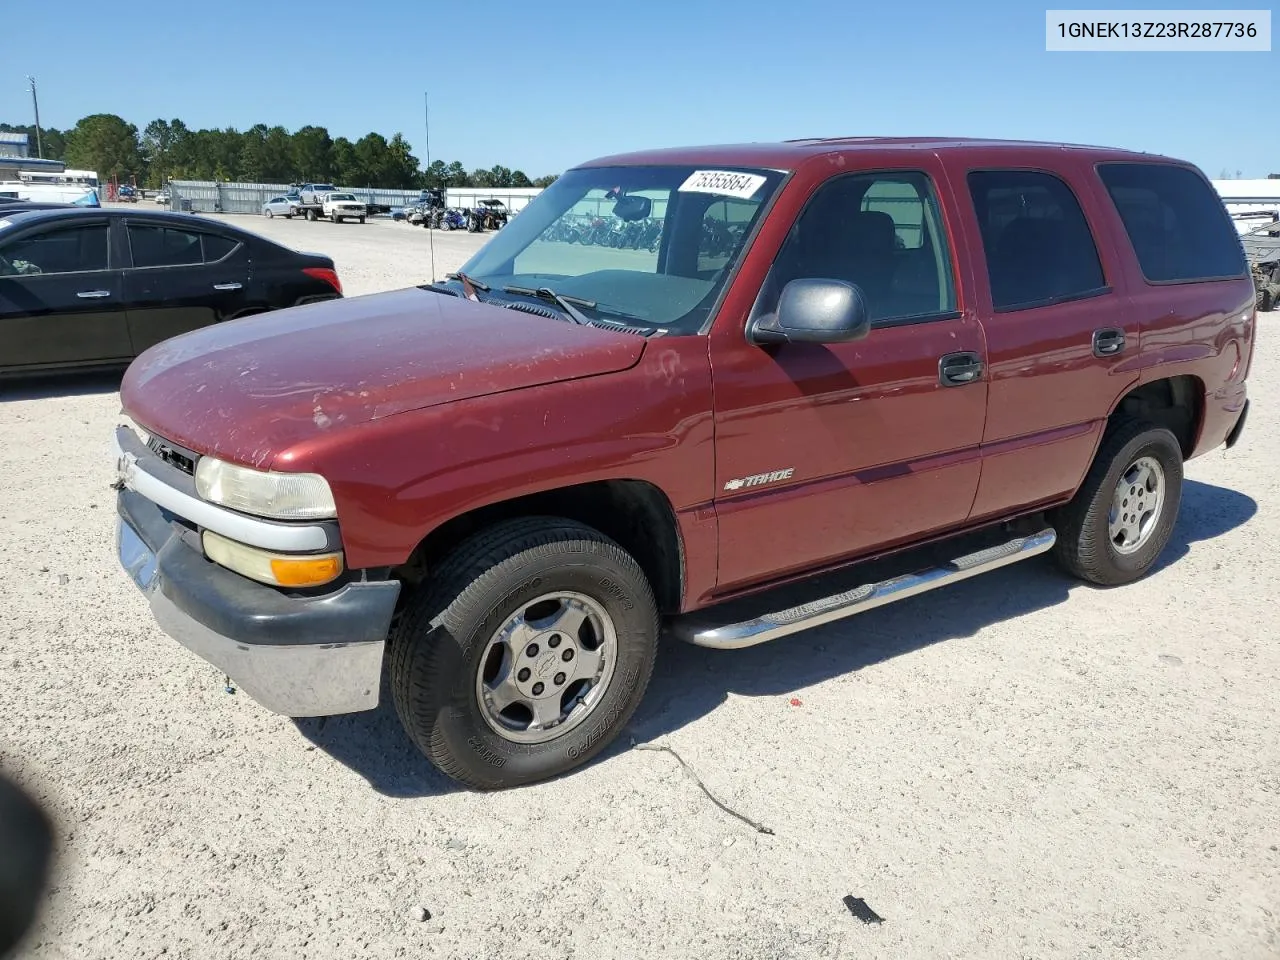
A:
{"points": [[173, 455]]}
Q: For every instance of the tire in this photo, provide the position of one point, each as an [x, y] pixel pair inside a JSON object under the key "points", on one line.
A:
{"points": [[270, 215], [445, 225], [1086, 547], [360, 219], [447, 635], [1264, 300], [311, 215]]}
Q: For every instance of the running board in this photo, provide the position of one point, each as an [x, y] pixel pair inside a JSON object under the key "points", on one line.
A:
{"points": [[781, 623]]}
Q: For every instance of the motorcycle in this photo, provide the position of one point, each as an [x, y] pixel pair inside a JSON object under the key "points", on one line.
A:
{"points": [[452, 219], [650, 236]]}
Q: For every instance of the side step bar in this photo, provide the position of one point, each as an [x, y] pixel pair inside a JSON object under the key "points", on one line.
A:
{"points": [[781, 623]]}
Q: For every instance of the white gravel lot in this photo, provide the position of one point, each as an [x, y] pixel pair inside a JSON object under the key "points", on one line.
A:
{"points": [[1015, 767]]}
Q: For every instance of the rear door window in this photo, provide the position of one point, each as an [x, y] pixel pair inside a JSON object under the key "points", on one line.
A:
{"points": [[154, 246], [1177, 224], [1038, 245]]}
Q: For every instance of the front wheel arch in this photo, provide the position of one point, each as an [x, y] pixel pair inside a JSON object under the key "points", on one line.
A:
{"points": [[636, 514]]}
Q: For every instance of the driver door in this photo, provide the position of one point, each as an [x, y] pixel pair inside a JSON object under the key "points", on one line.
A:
{"points": [[825, 452], [69, 310]]}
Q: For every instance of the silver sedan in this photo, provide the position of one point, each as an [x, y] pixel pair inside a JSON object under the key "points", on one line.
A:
{"points": [[279, 206]]}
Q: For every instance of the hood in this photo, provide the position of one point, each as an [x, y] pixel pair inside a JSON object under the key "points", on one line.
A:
{"points": [[248, 389]]}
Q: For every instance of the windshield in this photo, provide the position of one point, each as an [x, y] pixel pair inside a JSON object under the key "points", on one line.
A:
{"points": [[650, 246], [341, 196]]}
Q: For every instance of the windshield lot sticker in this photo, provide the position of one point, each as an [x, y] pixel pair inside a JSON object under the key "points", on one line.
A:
{"points": [[723, 182]]}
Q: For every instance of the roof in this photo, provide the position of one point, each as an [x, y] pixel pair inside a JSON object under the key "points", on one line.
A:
{"points": [[20, 138], [789, 154], [171, 216]]}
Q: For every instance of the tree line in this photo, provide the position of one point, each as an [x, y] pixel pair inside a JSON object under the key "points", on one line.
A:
{"points": [[170, 150]]}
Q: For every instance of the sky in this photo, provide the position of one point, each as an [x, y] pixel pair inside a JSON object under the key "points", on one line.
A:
{"points": [[543, 84]]}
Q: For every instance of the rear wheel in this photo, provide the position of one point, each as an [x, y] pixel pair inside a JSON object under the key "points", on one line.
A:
{"points": [[311, 215], [1120, 521], [526, 653]]}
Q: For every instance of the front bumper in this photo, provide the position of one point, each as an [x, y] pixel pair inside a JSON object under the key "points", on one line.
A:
{"points": [[300, 656]]}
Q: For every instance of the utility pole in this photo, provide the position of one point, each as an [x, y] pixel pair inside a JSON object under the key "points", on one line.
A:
{"points": [[36, 103]]}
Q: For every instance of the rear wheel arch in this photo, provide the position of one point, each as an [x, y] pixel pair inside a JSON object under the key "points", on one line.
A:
{"points": [[635, 514], [1176, 403]]}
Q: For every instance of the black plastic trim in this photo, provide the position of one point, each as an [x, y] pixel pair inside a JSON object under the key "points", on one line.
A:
{"points": [[911, 321], [251, 613], [1238, 429], [1054, 301]]}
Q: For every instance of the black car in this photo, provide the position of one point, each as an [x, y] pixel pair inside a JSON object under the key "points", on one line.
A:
{"points": [[84, 288], [10, 206]]}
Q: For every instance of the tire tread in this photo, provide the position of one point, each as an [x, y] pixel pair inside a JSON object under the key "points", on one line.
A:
{"points": [[1078, 553]]}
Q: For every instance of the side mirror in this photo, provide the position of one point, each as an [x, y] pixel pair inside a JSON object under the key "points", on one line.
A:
{"points": [[814, 311], [630, 208]]}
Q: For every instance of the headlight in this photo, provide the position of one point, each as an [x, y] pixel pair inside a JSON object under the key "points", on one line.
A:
{"points": [[279, 570], [280, 496]]}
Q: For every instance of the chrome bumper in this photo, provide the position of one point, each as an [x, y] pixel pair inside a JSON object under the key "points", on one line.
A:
{"points": [[293, 679]]}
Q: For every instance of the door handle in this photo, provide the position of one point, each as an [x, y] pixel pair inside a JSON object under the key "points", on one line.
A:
{"points": [[957, 369], [93, 294], [1107, 342], [226, 286]]}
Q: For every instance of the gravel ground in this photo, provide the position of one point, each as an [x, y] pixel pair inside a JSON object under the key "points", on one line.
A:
{"points": [[1072, 773]]}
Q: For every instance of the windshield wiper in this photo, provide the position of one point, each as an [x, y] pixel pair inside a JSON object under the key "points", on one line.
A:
{"points": [[469, 283], [565, 303]]}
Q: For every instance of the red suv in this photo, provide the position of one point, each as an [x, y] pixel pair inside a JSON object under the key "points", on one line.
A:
{"points": [[942, 356]]}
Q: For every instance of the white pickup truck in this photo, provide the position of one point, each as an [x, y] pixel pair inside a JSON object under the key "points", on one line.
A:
{"points": [[343, 206]]}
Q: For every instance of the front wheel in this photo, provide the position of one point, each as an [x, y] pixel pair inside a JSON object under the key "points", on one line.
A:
{"points": [[1121, 519], [270, 215], [526, 654], [360, 219]]}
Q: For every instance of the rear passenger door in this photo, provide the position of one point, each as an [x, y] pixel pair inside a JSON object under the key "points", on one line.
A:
{"points": [[1060, 340], [182, 279], [60, 297]]}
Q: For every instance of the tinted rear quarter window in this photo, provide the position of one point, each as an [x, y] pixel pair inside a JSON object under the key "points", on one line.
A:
{"points": [[1038, 245], [216, 247], [1177, 224]]}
